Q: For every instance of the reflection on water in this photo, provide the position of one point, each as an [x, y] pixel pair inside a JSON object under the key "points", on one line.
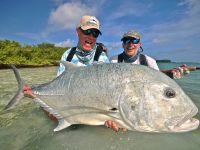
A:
{"points": [[27, 127]]}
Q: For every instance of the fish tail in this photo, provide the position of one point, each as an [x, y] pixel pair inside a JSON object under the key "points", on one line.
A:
{"points": [[19, 95]]}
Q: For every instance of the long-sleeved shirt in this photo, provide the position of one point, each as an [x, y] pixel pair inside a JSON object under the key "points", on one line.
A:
{"points": [[150, 61]]}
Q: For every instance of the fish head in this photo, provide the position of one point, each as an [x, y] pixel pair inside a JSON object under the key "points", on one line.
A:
{"points": [[159, 106]]}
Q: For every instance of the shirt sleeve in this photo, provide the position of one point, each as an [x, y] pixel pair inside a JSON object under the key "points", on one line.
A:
{"points": [[152, 63], [61, 68]]}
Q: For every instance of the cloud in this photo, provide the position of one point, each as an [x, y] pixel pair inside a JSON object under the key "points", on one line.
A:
{"points": [[172, 31], [67, 15], [193, 7], [67, 43], [122, 16], [129, 8]]}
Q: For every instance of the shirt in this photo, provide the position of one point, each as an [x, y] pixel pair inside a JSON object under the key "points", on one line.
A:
{"points": [[151, 62], [75, 60]]}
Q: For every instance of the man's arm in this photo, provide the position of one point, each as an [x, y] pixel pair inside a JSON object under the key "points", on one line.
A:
{"points": [[177, 73]]}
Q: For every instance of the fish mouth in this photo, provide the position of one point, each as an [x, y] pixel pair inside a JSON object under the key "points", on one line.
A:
{"points": [[186, 123]]}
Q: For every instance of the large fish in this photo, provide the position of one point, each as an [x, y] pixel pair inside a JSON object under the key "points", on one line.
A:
{"points": [[134, 96]]}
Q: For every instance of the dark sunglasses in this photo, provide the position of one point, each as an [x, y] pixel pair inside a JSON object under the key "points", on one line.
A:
{"points": [[94, 32], [132, 40]]}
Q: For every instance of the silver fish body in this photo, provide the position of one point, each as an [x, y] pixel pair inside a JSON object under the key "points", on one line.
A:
{"points": [[136, 97]]}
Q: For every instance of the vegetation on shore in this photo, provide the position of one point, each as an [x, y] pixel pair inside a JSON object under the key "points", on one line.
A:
{"points": [[45, 54], [163, 61]]}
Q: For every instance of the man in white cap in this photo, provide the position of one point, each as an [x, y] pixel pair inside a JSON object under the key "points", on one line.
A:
{"points": [[87, 50], [131, 43]]}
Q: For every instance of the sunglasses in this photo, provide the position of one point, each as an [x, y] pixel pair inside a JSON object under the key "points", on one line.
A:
{"points": [[132, 40], [95, 33]]}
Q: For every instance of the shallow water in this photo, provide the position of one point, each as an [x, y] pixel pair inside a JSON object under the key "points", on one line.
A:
{"points": [[28, 127]]}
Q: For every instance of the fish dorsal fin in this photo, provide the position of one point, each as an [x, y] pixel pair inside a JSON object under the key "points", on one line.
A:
{"points": [[62, 124], [68, 65]]}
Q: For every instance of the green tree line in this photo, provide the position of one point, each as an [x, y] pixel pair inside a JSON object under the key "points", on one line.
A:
{"points": [[12, 52]]}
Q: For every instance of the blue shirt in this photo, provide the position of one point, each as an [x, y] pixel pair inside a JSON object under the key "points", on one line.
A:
{"points": [[75, 60]]}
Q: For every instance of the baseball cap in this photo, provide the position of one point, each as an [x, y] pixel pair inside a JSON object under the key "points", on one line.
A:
{"points": [[89, 22], [131, 34]]}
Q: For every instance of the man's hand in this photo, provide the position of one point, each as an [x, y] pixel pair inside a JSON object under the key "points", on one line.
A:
{"points": [[177, 73], [113, 125], [28, 91]]}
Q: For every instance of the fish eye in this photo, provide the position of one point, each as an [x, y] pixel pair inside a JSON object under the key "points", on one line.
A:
{"points": [[170, 93]]}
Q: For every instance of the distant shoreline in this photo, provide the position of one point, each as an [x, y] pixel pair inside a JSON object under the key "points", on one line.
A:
{"points": [[164, 61]]}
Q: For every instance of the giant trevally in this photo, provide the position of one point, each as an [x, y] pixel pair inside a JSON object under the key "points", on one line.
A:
{"points": [[135, 97]]}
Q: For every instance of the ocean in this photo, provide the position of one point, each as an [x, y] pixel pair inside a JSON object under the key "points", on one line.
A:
{"points": [[27, 127]]}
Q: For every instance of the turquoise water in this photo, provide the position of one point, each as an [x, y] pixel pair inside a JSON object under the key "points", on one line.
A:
{"points": [[27, 126]]}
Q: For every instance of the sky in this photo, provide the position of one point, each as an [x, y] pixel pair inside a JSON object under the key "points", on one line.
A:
{"points": [[170, 29]]}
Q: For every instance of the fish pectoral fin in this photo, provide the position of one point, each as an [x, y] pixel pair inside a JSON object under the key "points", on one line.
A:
{"points": [[62, 124]]}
